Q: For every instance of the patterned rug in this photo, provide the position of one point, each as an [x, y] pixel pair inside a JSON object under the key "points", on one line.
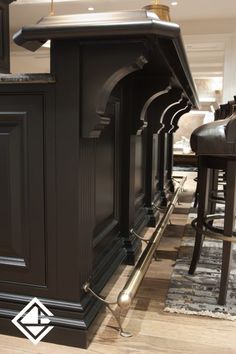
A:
{"points": [[198, 294]]}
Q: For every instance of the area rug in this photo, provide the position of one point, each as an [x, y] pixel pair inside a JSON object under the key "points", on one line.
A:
{"points": [[198, 294]]}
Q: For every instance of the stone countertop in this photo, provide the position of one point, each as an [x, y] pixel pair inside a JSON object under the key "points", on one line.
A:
{"points": [[27, 78]]}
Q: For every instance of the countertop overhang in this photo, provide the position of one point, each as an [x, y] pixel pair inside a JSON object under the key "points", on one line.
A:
{"points": [[95, 25], [124, 25]]}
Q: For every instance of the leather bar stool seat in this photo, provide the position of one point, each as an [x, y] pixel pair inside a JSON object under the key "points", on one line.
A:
{"points": [[215, 145], [217, 138], [206, 137]]}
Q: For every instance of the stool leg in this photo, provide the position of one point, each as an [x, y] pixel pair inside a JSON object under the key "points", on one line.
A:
{"points": [[203, 180], [213, 186], [196, 195], [195, 199], [228, 228]]}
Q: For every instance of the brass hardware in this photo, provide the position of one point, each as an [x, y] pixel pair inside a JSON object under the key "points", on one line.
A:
{"points": [[52, 12], [123, 333], [162, 11], [155, 256], [138, 236], [176, 179], [162, 209], [126, 296]]}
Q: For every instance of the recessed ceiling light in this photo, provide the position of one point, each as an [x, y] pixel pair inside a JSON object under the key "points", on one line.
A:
{"points": [[174, 3], [91, 8]]}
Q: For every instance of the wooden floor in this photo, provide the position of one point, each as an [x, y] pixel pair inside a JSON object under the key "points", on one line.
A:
{"points": [[154, 331]]}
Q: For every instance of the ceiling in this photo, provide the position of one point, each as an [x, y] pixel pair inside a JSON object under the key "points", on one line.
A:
{"points": [[25, 12]]}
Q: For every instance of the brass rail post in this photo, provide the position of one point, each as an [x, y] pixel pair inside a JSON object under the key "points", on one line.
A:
{"points": [[52, 12], [126, 296]]}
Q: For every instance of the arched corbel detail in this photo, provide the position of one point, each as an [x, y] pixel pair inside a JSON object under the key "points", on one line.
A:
{"points": [[175, 120], [173, 128], [157, 106], [145, 90], [169, 114], [143, 116], [114, 61]]}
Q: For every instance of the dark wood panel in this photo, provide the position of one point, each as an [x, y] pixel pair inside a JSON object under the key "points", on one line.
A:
{"points": [[154, 165], [89, 246], [139, 167], [22, 241], [104, 175], [70, 182], [12, 156], [107, 243], [114, 61], [1, 34]]}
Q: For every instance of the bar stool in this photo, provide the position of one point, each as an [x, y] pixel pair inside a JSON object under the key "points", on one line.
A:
{"points": [[215, 145], [217, 179]]}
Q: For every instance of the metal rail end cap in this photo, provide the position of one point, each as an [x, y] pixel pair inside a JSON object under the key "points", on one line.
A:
{"points": [[124, 300]]}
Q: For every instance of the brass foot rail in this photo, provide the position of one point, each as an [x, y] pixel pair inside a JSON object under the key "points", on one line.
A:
{"points": [[108, 304], [127, 294]]}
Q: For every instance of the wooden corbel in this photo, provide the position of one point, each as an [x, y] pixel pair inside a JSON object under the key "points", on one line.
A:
{"points": [[103, 66]]}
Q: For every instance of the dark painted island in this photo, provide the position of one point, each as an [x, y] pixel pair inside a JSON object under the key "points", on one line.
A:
{"points": [[85, 158]]}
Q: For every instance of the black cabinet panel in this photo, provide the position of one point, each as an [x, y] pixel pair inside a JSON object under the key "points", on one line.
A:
{"points": [[2, 32], [154, 165], [22, 234], [139, 164], [105, 171], [11, 202], [107, 241], [78, 159]]}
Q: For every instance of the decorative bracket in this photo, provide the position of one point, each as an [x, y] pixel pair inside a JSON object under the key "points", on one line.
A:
{"points": [[177, 116], [144, 87], [158, 104], [169, 114], [114, 61]]}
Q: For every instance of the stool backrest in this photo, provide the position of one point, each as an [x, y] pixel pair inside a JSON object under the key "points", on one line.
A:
{"points": [[230, 129]]}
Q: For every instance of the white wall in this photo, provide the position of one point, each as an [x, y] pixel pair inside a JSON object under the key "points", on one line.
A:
{"points": [[24, 61], [209, 61]]}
